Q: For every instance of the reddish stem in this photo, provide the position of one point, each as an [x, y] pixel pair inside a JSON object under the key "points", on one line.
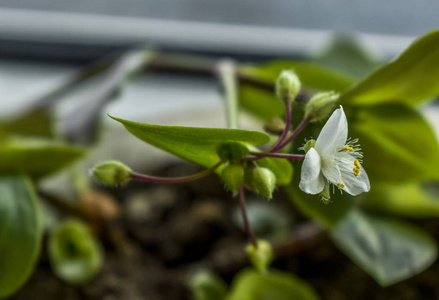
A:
{"points": [[277, 155], [248, 229], [142, 177], [296, 132], [277, 146]]}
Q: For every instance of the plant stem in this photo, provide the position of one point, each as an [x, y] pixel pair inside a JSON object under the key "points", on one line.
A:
{"points": [[286, 129], [227, 75], [148, 178], [298, 130], [276, 155], [248, 229]]}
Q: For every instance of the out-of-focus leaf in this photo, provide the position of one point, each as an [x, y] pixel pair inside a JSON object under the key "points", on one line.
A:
{"points": [[410, 79], [195, 144], [75, 254], [397, 142], [408, 200], [346, 54], [263, 102], [36, 122], [207, 286], [20, 232], [311, 75], [81, 125], [260, 103], [282, 169], [36, 157], [252, 285], [389, 250], [327, 214]]}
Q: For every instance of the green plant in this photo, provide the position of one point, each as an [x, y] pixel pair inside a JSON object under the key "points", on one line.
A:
{"points": [[400, 151]]}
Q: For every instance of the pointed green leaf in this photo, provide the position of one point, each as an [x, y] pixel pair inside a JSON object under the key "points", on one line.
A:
{"points": [[410, 79], [252, 285], [20, 232], [389, 250], [36, 157], [198, 145], [409, 200], [398, 143]]}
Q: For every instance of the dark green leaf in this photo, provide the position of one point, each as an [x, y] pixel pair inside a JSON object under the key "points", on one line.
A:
{"points": [[252, 285], [207, 286], [20, 232], [397, 142], [408, 200], [36, 157], [389, 250], [411, 78], [195, 144], [75, 254]]}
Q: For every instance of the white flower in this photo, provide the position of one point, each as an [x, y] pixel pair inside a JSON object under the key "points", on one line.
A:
{"points": [[334, 159]]}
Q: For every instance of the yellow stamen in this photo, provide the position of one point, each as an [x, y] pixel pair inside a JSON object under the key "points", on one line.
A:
{"points": [[349, 148], [340, 185], [357, 167]]}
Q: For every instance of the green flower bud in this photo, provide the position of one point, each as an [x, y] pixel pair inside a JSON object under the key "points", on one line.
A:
{"points": [[261, 256], [310, 144], [287, 86], [275, 126], [233, 176], [261, 180], [231, 151], [325, 195], [320, 106], [112, 172]]}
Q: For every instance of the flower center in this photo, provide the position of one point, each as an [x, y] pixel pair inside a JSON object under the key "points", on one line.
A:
{"points": [[349, 148], [357, 167]]}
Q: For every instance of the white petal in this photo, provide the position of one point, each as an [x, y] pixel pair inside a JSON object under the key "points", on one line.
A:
{"points": [[311, 178], [334, 134], [354, 185], [341, 171]]}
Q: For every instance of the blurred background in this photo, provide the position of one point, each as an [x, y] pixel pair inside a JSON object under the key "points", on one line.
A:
{"points": [[41, 42]]}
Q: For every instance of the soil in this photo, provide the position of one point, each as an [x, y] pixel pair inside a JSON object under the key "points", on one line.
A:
{"points": [[166, 232]]}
